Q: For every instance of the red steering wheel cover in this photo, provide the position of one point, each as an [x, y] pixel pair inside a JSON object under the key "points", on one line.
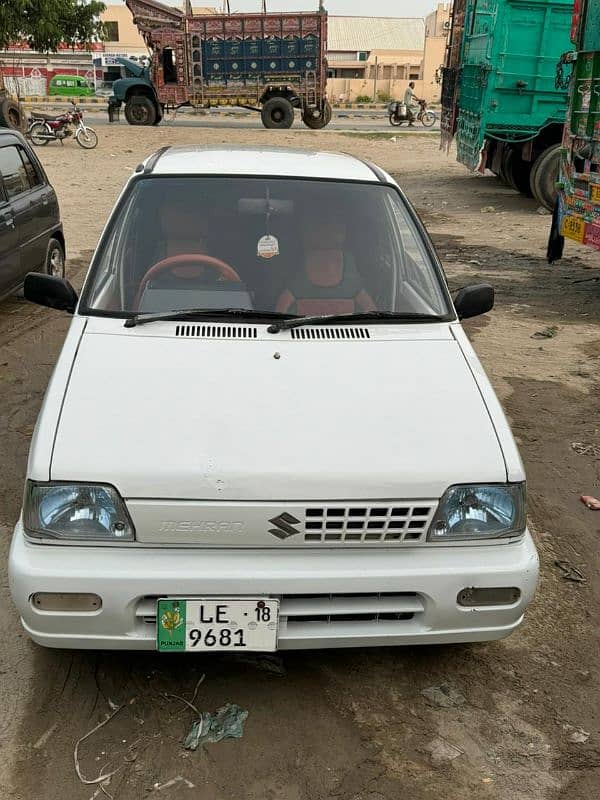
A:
{"points": [[227, 272]]}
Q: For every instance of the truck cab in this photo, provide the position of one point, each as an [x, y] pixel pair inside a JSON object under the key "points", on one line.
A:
{"points": [[137, 93]]}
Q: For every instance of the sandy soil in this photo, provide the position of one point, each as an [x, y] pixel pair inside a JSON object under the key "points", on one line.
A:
{"points": [[347, 725]]}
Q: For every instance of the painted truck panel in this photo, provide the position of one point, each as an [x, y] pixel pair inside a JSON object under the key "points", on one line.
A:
{"points": [[233, 58], [504, 72], [577, 212]]}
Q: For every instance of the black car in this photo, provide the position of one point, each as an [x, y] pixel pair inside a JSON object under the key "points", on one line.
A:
{"points": [[31, 234]]}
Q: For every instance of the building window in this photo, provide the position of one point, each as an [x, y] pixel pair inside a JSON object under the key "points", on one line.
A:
{"points": [[414, 76], [111, 30]]}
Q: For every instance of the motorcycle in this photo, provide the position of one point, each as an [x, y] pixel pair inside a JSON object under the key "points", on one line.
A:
{"points": [[44, 128], [398, 113]]}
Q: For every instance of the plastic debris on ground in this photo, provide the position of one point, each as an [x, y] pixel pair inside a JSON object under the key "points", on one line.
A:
{"points": [[585, 449], [547, 333], [444, 696], [441, 751], [569, 572], [226, 723], [590, 502]]}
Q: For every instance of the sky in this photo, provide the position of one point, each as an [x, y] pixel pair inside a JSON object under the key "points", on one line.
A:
{"points": [[375, 8]]}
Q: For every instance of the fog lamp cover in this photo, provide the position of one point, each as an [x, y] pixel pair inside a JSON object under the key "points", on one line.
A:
{"points": [[66, 601], [501, 596]]}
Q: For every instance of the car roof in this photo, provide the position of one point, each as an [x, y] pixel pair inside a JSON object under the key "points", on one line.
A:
{"points": [[6, 134], [264, 161]]}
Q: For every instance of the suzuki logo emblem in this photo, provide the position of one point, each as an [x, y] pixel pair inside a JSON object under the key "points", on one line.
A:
{"points": [[284, 526]]}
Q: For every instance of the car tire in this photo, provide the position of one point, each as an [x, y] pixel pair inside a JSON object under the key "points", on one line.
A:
{"points": [[11, 115], [140, 110], [277, 113], [55, 259], [544, 176]]}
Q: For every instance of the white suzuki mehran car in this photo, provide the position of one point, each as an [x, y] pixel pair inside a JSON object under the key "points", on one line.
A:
{"points": [[267, 428]]}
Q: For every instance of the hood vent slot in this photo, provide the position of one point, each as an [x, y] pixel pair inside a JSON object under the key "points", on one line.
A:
{"points": [[330, 333], [216, 331]]}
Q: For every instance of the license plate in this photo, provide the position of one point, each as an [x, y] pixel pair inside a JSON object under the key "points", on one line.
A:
{"points": [[573, 228], [211, 624]]}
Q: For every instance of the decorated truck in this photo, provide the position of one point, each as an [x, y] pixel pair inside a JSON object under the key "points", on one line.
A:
{"points": [[577, 211], [271, 63], [499, 96]]}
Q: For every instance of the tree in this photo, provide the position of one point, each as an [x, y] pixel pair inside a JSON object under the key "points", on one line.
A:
{"points": [[45, 24]]}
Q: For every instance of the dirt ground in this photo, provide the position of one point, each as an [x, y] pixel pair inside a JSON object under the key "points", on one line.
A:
{"points": [[343, 725]]}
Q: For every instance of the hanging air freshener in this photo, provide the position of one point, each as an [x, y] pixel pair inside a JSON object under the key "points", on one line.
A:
{"points": [[267, 247]]}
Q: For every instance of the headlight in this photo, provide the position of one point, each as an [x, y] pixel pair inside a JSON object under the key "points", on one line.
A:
{"points": [[87, 512], [466, 513]]}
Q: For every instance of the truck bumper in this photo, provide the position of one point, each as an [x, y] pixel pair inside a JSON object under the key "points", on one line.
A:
{"points": [[421, 584]]}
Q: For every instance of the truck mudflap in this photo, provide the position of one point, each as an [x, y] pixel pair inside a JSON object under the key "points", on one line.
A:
{"points": [[470, 131]]}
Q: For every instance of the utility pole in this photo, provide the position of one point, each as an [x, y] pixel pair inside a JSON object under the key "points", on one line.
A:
{"points": [[375, 79]]}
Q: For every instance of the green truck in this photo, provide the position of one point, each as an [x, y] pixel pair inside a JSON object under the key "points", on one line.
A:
{"points": [[500, 99], [577, 211]]}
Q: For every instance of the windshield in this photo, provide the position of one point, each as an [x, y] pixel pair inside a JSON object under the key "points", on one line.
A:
{"points": [[291, 246]]}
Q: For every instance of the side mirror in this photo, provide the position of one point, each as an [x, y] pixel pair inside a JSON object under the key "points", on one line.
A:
{"points": [[470, 301], [51, 291]]}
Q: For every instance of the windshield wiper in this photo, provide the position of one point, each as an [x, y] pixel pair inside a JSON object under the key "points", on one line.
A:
{"points": [[194, 313], [357, 316]]}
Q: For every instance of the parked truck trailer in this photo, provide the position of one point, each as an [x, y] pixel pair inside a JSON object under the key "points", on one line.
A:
{"points": [[499, 95], [577, 211], [271, 63]]}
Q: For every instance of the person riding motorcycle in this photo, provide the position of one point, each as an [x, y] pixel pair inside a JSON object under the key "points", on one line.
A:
{"points": [[411, 102]]}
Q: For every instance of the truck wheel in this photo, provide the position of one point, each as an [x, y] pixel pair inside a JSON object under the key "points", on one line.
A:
{"points": [[544, 176], [140, 110], [277, 113], [508, 168], [316, 123], [11, 115], [520, 173]]}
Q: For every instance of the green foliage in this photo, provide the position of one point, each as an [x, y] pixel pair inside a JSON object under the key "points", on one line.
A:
{"points": [[383, 97], [45, 24], [364, 98]]}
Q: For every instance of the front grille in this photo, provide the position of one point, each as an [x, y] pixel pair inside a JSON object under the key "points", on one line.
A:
{"points": [[330, 333], [367, 524], [217, 331], [306, 613]]}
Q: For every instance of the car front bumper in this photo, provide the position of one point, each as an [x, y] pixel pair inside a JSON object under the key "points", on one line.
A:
{"points": [[422, 582]]}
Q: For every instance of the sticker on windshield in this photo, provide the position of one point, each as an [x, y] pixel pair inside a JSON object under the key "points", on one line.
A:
{"points": [[267, 247]]}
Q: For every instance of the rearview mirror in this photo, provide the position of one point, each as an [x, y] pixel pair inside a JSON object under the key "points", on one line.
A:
{"points": [[470, 301], [51, 291], [263, 205]]}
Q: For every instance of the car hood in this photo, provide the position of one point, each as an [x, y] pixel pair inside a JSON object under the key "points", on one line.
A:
{"points": [[165, 417]]}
